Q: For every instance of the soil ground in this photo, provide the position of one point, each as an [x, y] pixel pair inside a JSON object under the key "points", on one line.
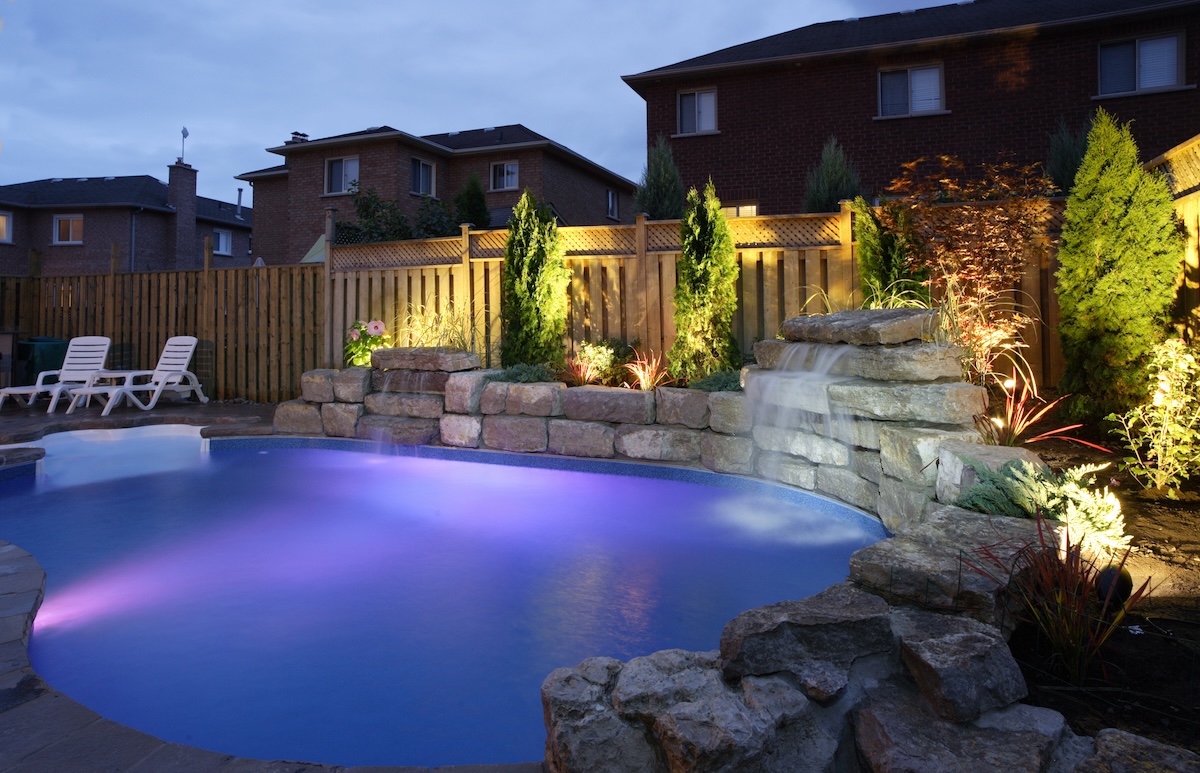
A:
{"points": [[1148, 678]]}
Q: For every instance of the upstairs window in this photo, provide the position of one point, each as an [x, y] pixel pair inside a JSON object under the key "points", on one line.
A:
{"points": [[5, 228], [740, 210], [222, 242], [913, 91], [1145, 64], [504, 176], [68, 229], [422, 177], [697, 112], [340, 174], [612, 204]]}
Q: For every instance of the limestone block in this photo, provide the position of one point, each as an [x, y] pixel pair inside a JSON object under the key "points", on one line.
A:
{"points": [[842, 483], [316, 386], [688, 407], [727, 453], [907, 362], [896, 730], [615, 404], [863, 327], [425, 358], [541, 399], [952, 403], [340, 419], [461, 430], [351, 385], [580, 438], [465, 388], [910, 452], [399, 430], [728, 413], [515, 433], [815, 640], [786, 393], [954, 475], [415, 381], [902, 505], [647, 685], [814, 448], [298, 417], [494, 398], [852, 430], [403, 404], [787, 469], [867, 464], [962, 667], [662, 444]]}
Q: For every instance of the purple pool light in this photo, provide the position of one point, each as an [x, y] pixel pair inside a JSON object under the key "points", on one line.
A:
{"points": [[364, 609]]}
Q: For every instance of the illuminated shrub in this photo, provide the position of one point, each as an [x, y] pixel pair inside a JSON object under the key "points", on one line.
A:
{"points": [[533, 288]]}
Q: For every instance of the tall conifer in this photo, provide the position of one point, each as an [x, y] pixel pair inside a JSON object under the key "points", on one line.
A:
{"points": [[533, 288]]}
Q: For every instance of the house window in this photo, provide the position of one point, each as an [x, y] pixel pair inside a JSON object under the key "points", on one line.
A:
{"points": [[1145, 64], [697, 112], [340, 174], [6, 227], [612, 204], [422, 177], [68, 229], [910, 92], [740, 210], [504, 176], [222, 242]]}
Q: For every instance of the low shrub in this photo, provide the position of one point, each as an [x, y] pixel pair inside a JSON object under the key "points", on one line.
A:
{"points": [[363, 338], [524, 373], [721, 381]]}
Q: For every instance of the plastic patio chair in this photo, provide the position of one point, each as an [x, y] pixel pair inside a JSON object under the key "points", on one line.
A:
{"points": [[170, 375], [84, 358]]}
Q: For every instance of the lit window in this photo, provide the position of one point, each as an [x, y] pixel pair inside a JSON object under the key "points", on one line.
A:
{"points": [[340, 174], [612, 204], [910, 92], [504, 176], [1146, 64], [697, 112], [6, 227], [222, 242], [68, 229], [740, 210], [422, 177]]}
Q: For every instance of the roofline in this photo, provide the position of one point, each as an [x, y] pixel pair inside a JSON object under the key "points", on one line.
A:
{"points": [[545, 143], [353, 139], [92, 205], [235, 223], [262, 174], [663, 72]]}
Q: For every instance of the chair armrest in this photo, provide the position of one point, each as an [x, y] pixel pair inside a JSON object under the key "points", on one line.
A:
{"points": [[41, 379], [127, 376]]}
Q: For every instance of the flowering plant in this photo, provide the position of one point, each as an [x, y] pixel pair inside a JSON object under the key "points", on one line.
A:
{"points": [[362, 339]]}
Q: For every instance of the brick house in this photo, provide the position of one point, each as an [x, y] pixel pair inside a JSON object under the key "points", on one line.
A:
{"points": [[977, 80], [74, 224], [291, 199]]}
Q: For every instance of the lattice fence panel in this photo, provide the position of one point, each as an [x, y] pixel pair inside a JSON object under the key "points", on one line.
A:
{"points": [[488, 244], [421, 252], [662, 236], [604, 240], [811, 231]]}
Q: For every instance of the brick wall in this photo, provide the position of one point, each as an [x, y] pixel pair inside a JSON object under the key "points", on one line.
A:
{"points": [[1002, 96]]}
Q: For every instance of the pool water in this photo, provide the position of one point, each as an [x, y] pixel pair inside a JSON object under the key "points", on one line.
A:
{"points": [[365, 609]]}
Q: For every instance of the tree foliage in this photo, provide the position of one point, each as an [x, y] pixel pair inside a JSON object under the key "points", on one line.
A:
{"points": [[832, 179], [660, 194], [533, 287], [705, 291], [376, 220], [1067, 148], [1122, 248], [434, 219], [470, 204], [889, 267]]}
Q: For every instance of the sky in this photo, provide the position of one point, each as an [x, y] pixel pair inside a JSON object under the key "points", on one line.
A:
{"points": [[95, 88]]}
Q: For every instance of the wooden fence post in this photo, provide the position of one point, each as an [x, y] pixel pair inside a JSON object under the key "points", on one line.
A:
{"points": [[330, 340], [641, 312], [466, 290]]}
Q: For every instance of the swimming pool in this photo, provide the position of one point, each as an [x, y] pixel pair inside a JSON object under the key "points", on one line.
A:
{"points": [[313, 603]]}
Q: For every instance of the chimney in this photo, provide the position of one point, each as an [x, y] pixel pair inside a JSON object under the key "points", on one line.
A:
{"points": [[239, 204], [181, 196]]}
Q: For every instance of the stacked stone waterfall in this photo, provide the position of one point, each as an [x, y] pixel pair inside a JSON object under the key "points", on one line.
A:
{"points": [[856, 405]]}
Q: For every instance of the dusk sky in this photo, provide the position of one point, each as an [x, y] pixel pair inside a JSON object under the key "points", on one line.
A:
{"points": [[95, 88]]}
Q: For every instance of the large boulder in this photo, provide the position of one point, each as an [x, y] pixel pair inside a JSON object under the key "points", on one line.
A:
{"points": [[425, 358], [863, 327]]}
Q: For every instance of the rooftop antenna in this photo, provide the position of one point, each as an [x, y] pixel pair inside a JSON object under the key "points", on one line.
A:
{"points": [[183, 144]]}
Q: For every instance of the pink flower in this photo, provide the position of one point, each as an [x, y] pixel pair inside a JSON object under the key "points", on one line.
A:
{"points": [[354, 334], [375, 328]]}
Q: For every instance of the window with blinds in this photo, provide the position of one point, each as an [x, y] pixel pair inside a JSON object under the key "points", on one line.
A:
{"points": [[1145, 64], [697, 112], [910, 92]]}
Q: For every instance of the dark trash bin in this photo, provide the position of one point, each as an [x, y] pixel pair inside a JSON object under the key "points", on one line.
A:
{"points": [[40, 353]]}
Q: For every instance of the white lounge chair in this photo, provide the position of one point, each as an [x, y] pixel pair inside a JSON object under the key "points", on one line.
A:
{"points": [[170, 375], [85, 356]]}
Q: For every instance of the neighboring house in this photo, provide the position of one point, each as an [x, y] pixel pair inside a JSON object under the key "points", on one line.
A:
{"points": [[74, 223], [291, 199], [976, 79]]}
